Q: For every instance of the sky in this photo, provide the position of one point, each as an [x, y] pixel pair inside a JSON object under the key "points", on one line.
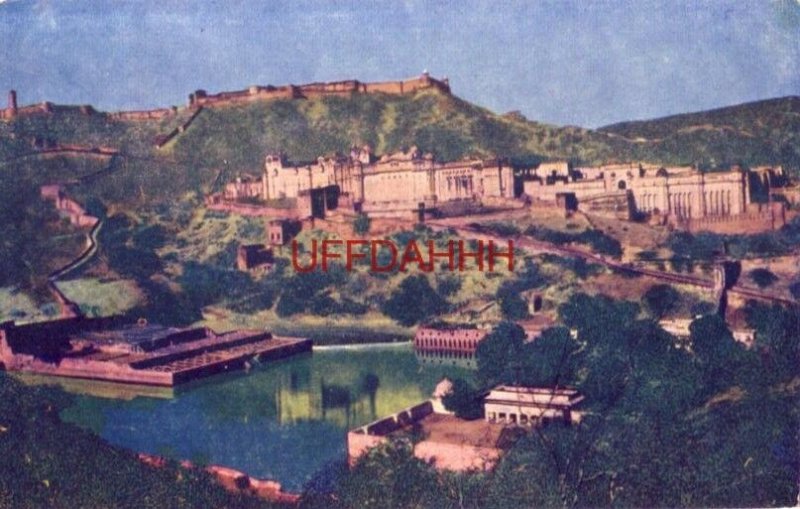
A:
{"points": [[587, 63]]}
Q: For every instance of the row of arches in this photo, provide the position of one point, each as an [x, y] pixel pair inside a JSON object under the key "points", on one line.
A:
{"points": [[715, 203], [445, 344], [459, 186], [649, 202], [681, 204], [718, 203]]}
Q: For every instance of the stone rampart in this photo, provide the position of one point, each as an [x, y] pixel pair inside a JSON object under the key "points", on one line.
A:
{"points": [[315, 90], [362, 439], [68, 207], [143, 115], [756, 218], [215, 202]]}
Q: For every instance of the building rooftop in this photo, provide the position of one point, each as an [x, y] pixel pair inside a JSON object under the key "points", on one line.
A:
{"points": [[449, 429], [534, 396]]}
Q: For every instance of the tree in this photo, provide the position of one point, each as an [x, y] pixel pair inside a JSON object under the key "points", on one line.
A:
{"points": [[777, 338], [361, 224], [762, 277], [719, 356], [661, 300], [512, 305], [414, 301], [448, 285], [551, 360], [464, 400], [389, 475], [497, 351]]}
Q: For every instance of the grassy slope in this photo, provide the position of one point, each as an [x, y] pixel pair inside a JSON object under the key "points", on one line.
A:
{"points": [[762, 132], [223, 142], [234, 139]]}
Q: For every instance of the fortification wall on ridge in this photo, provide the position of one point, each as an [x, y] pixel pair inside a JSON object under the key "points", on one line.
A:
{"points": [[250, 94], [755, 219], [319, 89], [157, 114]]}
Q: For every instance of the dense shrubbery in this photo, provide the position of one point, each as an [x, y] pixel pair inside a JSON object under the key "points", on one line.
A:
{"points": [[579, 266], [661, 300], [24, 220], [690, 248], [762, 277], [414, 301], [596, 239], [512, 304], [465, 400], [361, 224]]}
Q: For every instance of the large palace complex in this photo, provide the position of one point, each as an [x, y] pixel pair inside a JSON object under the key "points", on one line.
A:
{"points": [[398, 184], [411, 184], [682, 196]]}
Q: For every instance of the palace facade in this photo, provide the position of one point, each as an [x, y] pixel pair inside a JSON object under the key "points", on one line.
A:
{"points": [[392, 185], [682, 195]]}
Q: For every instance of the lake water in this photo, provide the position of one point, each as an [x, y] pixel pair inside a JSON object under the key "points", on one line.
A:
{"points": [[283, 421]]}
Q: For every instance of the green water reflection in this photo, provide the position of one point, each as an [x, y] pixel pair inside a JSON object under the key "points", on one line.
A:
{"points": [[283, 421]]}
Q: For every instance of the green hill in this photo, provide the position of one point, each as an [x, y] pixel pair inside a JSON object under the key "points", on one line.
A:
{"points": [[225, 141], [761, 132], [235, 138]]}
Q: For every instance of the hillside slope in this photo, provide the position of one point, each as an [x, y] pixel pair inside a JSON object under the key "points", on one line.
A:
{"points": [[761, 132], [225, 141], [239, 136]]}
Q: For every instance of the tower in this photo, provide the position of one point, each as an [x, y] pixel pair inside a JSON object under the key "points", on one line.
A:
{"points": [[12, 102]]}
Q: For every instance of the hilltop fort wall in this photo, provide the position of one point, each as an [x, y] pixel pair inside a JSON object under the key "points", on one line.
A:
{"points": [[314, 90], [250, 94], [157, 114]]}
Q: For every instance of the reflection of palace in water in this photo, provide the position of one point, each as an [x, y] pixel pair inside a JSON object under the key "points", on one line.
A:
{"points": [[303, 395], [343, 389], [458, 360]]}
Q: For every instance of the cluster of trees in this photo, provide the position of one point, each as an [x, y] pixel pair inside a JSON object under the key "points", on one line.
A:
{"points": [[26, 221], [311, 292], [599, 241], [579, 266], [414, 301], [512, 305], [708, 423], [689, 248], [762, 277]]}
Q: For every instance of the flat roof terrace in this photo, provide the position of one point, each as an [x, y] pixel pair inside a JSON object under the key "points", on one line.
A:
{"points": [[139, 354], [449, 442], [145, 337]]}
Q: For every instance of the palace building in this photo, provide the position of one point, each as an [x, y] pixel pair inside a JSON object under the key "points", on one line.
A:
{"points": [[400, 184], [683, 195]]}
